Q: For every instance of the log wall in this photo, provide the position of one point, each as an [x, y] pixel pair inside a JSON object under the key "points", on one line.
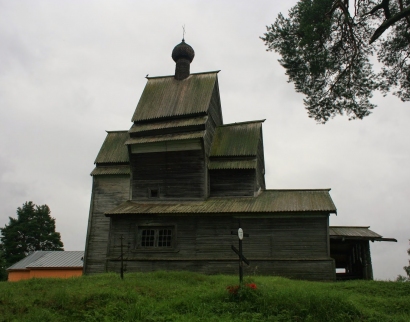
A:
{"points": [[294, 246], [175, 174], [232, 182], [107, 193]]}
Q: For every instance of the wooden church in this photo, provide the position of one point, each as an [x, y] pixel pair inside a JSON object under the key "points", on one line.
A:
{"points": [[172, 188]]}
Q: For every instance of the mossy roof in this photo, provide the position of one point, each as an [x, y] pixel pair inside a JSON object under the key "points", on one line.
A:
{"points": [[237, 139], [268, 201], [165, 97], [114, 149]]}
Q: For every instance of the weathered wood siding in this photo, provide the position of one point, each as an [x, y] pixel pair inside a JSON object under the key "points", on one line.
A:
{"points": [[215, 110], [214, 118], [108, 192], [232, 182], [294, 246], [176, 174], [260, 167]]}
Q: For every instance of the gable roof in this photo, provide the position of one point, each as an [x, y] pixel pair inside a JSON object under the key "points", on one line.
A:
{"points": [[28, 260], [48, 259], [167, 97], [114, 149], [268, 201], [356, 232], [237, 139]]}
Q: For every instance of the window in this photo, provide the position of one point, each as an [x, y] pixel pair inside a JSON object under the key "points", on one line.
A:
{"points": [[155, 237], [153, 193]]}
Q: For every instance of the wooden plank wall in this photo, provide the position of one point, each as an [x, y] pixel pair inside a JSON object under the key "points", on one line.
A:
{"points": [[177, 174], [108, 192], [260, 168], [214, 119], [215, 109], [232, 182], [295, 247]]}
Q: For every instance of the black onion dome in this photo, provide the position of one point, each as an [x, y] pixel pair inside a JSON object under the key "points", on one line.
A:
{"points": [[183, 50]]}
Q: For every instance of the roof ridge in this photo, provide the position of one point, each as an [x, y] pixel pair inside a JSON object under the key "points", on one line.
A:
{"points": [[166, 76]]}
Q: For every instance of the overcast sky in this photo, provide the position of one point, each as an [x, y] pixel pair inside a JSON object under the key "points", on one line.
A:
{"points": [[69, 70]]}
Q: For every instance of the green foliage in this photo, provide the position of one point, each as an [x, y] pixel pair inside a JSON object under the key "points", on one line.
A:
{"points": [[3, 267], [34, 229], [401, 278], [186, 296], [326, 46]]}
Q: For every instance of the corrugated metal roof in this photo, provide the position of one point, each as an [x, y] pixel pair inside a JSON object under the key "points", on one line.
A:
{"points": [[232, 164], [355, 232], [136, 128], [59, 259], [238, 139], [267, 201], [167, 137], [50, 259], [125, 169], [166, 96], [28, 260], [113, 149], [350, 231]]}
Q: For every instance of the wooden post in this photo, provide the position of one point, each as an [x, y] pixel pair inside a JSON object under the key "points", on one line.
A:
{"points": [[122, 260], [240, 262], [239, 252]]}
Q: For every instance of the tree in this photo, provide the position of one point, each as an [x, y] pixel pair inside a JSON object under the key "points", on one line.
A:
{"points": [[3, 266], [326, 47], [401, 278], [34, 229]]}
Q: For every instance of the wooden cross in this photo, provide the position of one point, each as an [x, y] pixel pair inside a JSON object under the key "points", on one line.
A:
{"points": [[242, 258]]}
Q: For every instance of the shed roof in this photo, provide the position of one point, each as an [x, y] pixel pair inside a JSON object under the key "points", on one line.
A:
{"points": [[356, 232], [237, 139], [113, 149], [268, 201], [112, 169], [166, 137], [49, 259], [166, 97], [232, 164], [179, 123]]}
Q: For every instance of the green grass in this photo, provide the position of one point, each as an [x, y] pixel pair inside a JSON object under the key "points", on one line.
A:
{"points": [[185, 296]]}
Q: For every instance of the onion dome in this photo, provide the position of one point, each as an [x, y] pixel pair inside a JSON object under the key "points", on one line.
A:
{"points": [[183, 51], [183, 54]]}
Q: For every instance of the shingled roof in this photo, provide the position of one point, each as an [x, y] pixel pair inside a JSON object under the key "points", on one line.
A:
{"points": [[268, 201], [167, 97]]}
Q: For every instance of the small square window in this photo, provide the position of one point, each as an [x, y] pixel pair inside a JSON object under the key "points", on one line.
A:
{"points": [[154, 193]]}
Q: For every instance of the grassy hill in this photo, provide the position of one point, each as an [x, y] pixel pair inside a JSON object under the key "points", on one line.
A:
{"points": [[184, 296]]}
